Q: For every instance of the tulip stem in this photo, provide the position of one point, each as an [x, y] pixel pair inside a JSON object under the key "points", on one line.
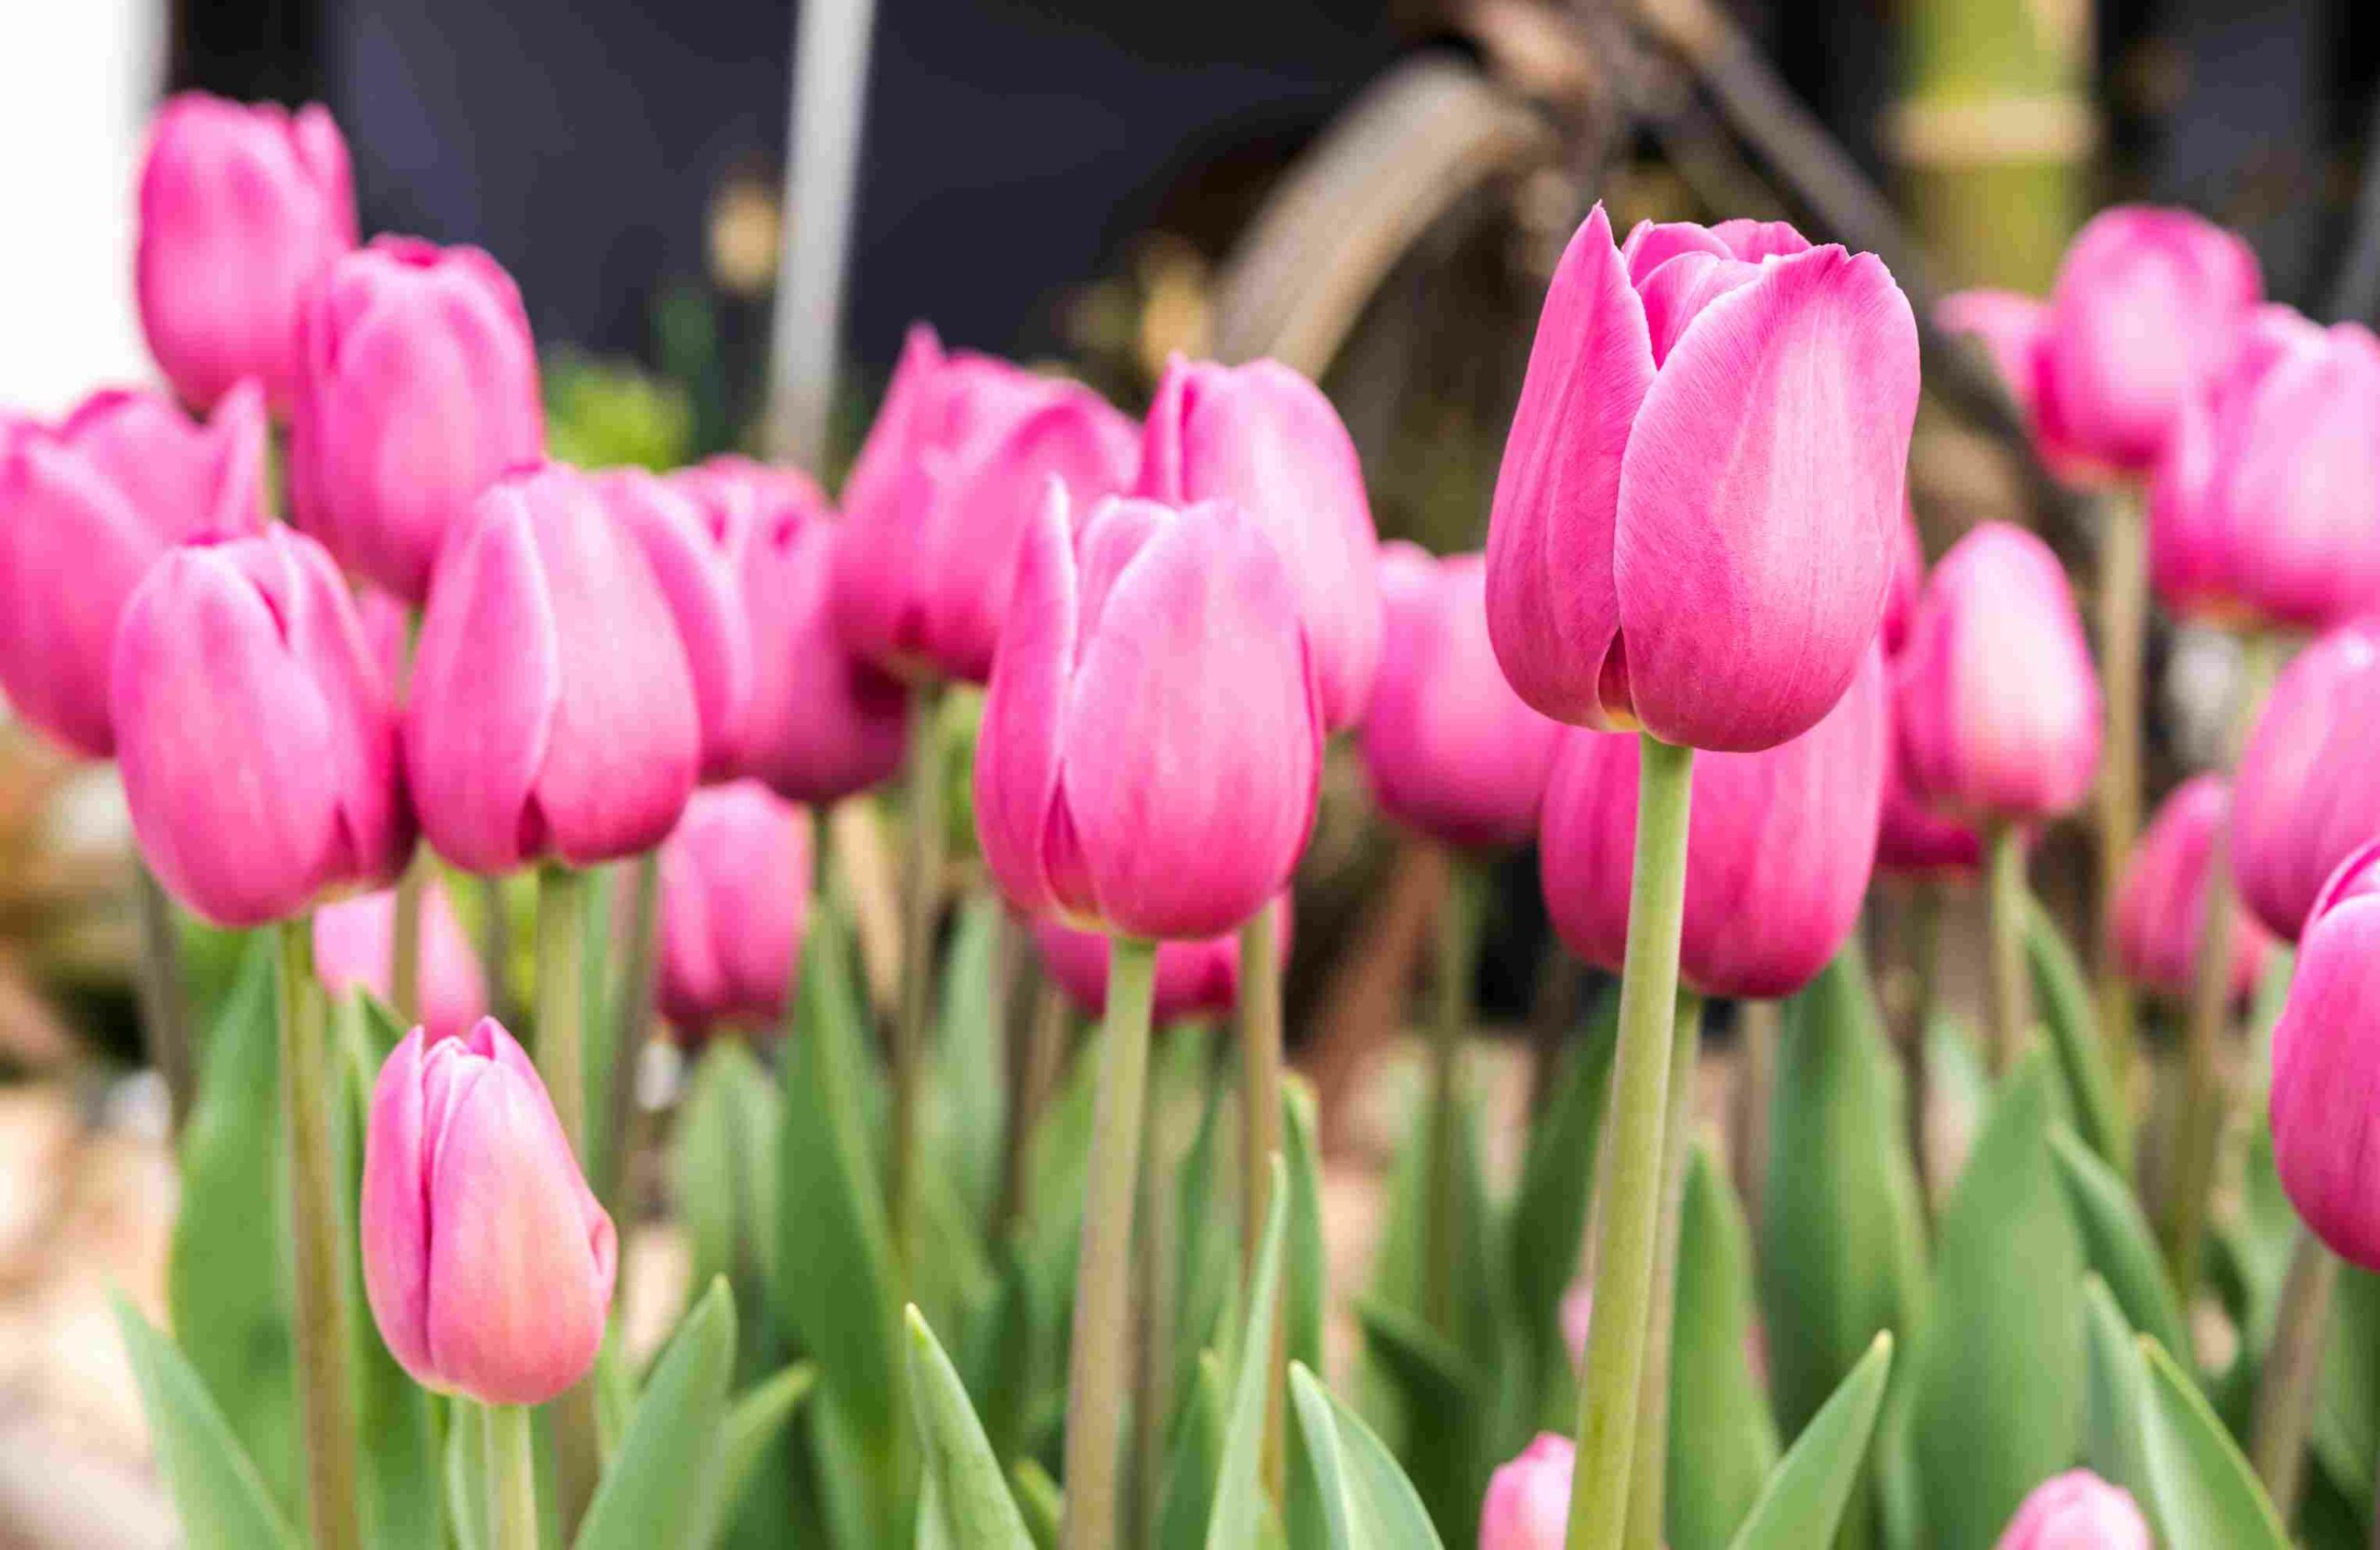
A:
{"points": [[1458, 917], [1033, 1051], [562, 1048], [1649, 1482], [2293, 1368], [2011, 986], [324, 1398], [165, 1014], [1260, 1098], [2123, 622], [1626, 1245], [923, 885], [509, 1459], [1095, 1370], [496, 949], [1757, 1023], [404, 941], [633, 1017]]}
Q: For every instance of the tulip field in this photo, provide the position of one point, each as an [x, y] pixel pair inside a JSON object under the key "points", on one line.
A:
{"points": [[902, 862]]}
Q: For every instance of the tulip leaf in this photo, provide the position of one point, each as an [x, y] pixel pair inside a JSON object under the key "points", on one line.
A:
{"points": [[2065, 1002], [1239, 1509], [2201, 1493], [968, 1097], [1039, 1499], [2117, 1241], [1192, 1464], [728, 1131], [1548, 1225], [664, 1482], [1060, 1159], [1444, 1402], [1307, 1293], [1804, 1499], [1722, 1442], [2346, 1433], [1368, 1503], [1007, 1351], [970, 1490], [753, 1428], [2111, 1389], [218, 1496]]}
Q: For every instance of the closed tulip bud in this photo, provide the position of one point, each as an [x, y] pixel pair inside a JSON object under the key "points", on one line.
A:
{"points": [[2308, 784], [257, 738], [1151, 743], [352, 941], [487, 1261], [953, 472], [734, 891], [2008, 328], [1997, 701], [2326, 1064], [85, 508], [241, 207], [1695, 525], [2161, 907], [551, 712], [1780, 845], [1527, 1504], [1265, 438], [1450, 749], [1914, 840], [697, 577], [1907, 586], [1194, 979], [2077, 1511], [416, 389]]}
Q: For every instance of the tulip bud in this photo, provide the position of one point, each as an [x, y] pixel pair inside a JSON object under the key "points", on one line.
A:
{"points": [[1997, 699], [2077, 1511], [1695, 525], [1151, 743], [241, 208], [2161, 908], [1527, 1504], [1194, 979], [1914, 840], [1779, 848], [352, 941], [488, 1262], [1451, 749], [1907, 586], [85, 508], [954, 470], [698, 580], [2009, 327], [256, 739], [553, 709], [2326, 1064], [1264, 437], [734, 891], [2309, 785], [417, 387]]}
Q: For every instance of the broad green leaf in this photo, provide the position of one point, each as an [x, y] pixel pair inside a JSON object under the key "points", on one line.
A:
{"points": [[1059, 1158], [1192, 1464], [727, 1185], [1306, 1293], [1039, 1499], [969, 1098], [219, 1497], [661, 1485], [2065, 1003], [2345, 1435], [2117, 1241], [753, 1430], [1007, 1353], [2111, 1403], [1238, 1508], [1722, 1442], [1368, 1503], [976, 1510], [1207, 1266], [2201, 1493], [1549, 1215], [1803, 1501], [1445, 1402]]}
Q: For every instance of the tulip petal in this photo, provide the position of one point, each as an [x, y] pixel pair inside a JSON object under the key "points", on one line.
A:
{"points": [[1016, 752], [2326, 1079], [698, 584], [393, 1221], [1678, 290], [1652, 244]]}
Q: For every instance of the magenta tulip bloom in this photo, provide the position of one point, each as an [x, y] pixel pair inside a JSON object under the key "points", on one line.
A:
{"points": [[257, 738], [698, 580], [241, 208], [1194, 979], [85, 508], [418, 388], [953, 472], [552, 710], [734, 891], [1152, 744], [1527, 1504], [1264, 437], [1780, 845], [1913, 840], [1696, 523], [353, 939], [2326, 1064], [1451, 749], [2077, 1511], [1907, 586], [2161, 908], [2308, 784], [488, 1262]]}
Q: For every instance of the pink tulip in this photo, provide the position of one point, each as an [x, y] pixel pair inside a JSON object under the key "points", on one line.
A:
{"points": [[2077, 1511], [1527, 1504], [417, 387], [256, 739], [952, 473], [1152, 744], [553, 709], [352, 940], [1997, 700], [85, 508], [734, 891], [1451, 749], [488, 1262], [1194, 979], [2161, 908], [2309, 785], [1264, 437], [1914, 840], [698, 580], [1578, 1320], [2326, 1064], [388, 634], [1780, 847], [1695, 527], [241, 207], [1907, 586]]}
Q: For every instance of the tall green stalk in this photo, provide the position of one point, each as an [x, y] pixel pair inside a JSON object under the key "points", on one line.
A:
{"points": [[561, 1061], [2290, 1381], [631, 1020], [1459, 922], [2011, 989], [1259, 1134], [165, 1011], [1648, 1481], [508, 1466], [2124, 624], [924, 899]]}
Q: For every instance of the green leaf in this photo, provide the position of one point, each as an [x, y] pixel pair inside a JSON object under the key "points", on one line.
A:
{"points": [[219, 1497], [1445, 1402], [728, 1131], [2116, 1240], [2345, 1435], [1195, 1458], [753, 1429], [1239, 1499], [2064, 999], [1059, 1158], [972, 1491], [968, 1100], [1007, 1352], [1804, 1499], [1307, 1293], [1208, 1252], [1549, 1213], [663, 1484], [2111, 1406], [2201, 1493], [1369, 1503], [1722, 1442], [1039, 1499]]}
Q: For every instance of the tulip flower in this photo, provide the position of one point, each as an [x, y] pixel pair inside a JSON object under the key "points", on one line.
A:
{"points": [[1151, 743], [487, 1261], [1908, 585], [952, 473], [85, 508], [2077, 1511], [1264, 437], [1528, 1503], [257, 738], [552, 710], [1695, 526], [699, 582], [2326, 1064], [735, 889], [1194, 979], [2309, 785], [2161, 908], [352, 950], [1913, 840], [417, 387], [241, 208]]}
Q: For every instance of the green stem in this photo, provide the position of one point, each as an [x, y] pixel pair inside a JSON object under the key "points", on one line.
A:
{"points": [[324, 1402], [496, 949], [164, 1013], [2290, 1378], [509, 1465], [1756, 1031], [1096, 1376], [1458, 916], [562, 1044], [1032, 1066], [2011, 989], [632, 1019], [404, 941], [1152, 1319], [1260, 1098], [1632, 1196], [2123, 623], [1648, 1480], [910, 1029]]}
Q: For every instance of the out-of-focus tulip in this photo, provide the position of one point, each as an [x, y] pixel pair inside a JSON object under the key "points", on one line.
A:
{"points": [[1780, 845], [1907, 586], [735, 894], [1152, 744], [85, 508], [957, 462], [1998, 703], [1194, 979], [1913, 840], [1696, 523], [2077, 1511], [417, 387], [2308, 786], [2326, 1064], [351, 945], [1450, 749], [1577, 1320], [552, 710], [1265, 438], [2010, 327], [697, 576], [1527, 1506], [388, 633], [2161, 908], [488, 1262], [241, 207], [256, 735]]}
